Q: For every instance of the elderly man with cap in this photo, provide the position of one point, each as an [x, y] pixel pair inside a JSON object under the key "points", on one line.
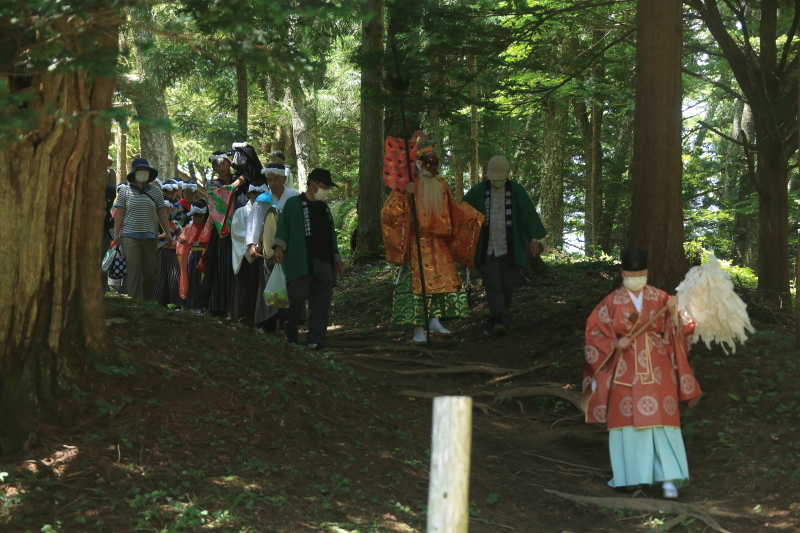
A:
{"points": [[511, 231], [140, 209], [305, 244]]}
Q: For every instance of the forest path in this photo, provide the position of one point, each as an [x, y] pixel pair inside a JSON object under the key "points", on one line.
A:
{"points": [[194, 423], [527, 445]]}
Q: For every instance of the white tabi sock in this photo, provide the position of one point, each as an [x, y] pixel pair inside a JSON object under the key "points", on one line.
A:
{"points": [[419, 334], [437, 326], [670, 491]]}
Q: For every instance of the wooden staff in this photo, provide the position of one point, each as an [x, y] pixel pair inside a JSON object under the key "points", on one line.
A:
{"points": [[401, 84], [632, 336]]}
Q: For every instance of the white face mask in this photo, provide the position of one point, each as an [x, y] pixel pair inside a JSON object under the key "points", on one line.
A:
{"points": [[634, 283], [142, 176], [499, 183], [321, 193]]}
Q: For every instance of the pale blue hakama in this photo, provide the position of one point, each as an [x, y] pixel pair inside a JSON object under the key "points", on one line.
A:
{"points": [[643, 456]]}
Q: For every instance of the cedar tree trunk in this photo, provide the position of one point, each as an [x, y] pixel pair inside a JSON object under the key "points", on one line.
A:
{"points": [[149, 100], [370, 168], [657, 211], [554, 150], [768, 78], [241, 98], [50, 293]]}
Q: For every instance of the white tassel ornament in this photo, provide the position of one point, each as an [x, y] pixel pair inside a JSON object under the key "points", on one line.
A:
{"points": [[706, 293]]}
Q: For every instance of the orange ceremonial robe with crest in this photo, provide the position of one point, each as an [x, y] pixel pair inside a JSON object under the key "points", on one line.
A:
{"points": [[445, 240], [642, 386]]}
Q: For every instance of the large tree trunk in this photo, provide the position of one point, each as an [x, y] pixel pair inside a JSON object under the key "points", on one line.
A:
{"points": [[769, 84], [458, 177], [370, 168], [475, 171], [773, 214], [241, 98], [657, 211], [304, 128], [554, 151], [610, 214], [594, 185], [740, 188], [122, 153], [590, 126], [50, 293], [155, 138]]}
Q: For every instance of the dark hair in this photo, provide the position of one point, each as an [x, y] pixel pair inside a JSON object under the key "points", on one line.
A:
{"points": [[276, 165], [200, 204], [278, 155], [634, 259]]}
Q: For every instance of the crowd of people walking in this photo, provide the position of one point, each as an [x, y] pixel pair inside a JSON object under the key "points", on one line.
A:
{"points": [[215, 255]]}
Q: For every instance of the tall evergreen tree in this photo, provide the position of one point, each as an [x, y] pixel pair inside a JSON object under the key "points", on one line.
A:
{"points": [[370, 169], [50, 292], [657, 214], [759, 41]]}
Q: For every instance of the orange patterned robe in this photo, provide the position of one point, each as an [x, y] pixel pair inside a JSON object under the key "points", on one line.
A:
{"points": [[642, 386], [445, 240]]}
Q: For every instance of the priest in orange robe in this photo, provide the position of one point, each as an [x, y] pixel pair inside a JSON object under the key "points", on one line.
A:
{"points": [[635, 376], [448, 234]]}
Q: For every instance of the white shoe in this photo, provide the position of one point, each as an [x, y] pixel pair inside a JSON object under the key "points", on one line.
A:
{"points": [[670, 491], [419, 336], [437, 327]]}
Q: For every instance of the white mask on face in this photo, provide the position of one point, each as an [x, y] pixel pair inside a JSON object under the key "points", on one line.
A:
{"points": [[499, 183], [634, 283], [321, 193], [142, 176]]}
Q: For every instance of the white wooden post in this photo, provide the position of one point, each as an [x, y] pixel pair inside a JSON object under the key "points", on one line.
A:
{"points": [[448, 494]]}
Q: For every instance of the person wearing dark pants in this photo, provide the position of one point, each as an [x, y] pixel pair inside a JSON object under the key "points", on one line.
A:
{"points": [[305, 244], [317, 288], [500, 276], [512, 230]]}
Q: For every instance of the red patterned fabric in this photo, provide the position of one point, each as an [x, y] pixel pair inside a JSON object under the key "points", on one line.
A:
{"points": [[193, 236], [395, 168], [642, 386]]}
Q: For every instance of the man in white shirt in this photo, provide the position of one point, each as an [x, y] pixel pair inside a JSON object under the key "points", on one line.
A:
{"points": [[276, 156], [275, 174]]}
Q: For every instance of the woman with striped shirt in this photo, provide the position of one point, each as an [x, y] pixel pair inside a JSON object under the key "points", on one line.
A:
{"points": [[140, 210]]}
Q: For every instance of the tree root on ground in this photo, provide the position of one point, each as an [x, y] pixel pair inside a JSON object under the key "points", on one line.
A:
{"points": [[683, 510], [380, 347], [590, 469], [357, 332], [431, 395], [504, 373], [465, 369], [395, 359], [571, 397], [517, 373], [509, 393]]}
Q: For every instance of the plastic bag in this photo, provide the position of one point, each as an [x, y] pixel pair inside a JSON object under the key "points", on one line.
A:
{"points": [[119, 267], [275, 293], [108, 259]]}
